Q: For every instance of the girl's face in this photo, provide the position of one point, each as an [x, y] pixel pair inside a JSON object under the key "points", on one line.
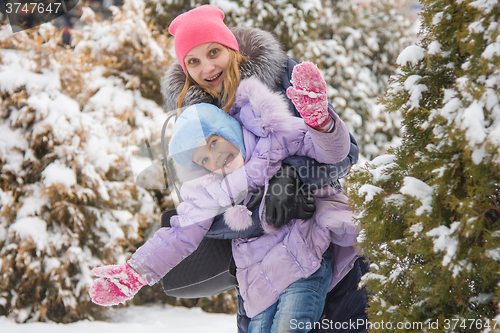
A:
{"points": [[218, 155], [207, 64]]}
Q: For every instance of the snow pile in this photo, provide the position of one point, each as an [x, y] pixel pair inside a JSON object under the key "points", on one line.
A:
{"points": [[137, 319], [421, 191], [412, 54], [445, 240]]}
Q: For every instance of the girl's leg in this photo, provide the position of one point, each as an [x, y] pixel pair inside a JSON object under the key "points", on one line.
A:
{"points": [[300, 305], [262, 322]]}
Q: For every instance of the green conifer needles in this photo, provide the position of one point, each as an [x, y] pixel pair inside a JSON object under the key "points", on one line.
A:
{"points": [[429, 211]]}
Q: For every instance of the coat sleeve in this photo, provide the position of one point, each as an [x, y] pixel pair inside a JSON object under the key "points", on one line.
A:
{"points": [[169, 246], [315, 175], [271, 150], [324, 147]]}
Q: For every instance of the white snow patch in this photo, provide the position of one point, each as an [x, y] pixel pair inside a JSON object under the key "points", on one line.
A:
{"points": [[108, 222], [478, 154], [384, 163], [3, 237], [383, 159], [133, 319], [412, 54], [421, 191], [449, 110], [437, 18], [415, 90], [51, 264], [476, 27], [31, 207], [372, 276], [491, 51], [416, 229], [10, 139], [15, 77], [370, 191], [474, 124], [445, 240], [33, 227], [395, 199], [486, 6], [493, 254], [58, 173], [482, 298], [434, 47]]}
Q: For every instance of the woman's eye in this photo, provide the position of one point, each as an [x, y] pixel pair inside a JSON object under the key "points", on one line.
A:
{"points": [[212, 144], [192, 61], [214, 52], [204, 161]]}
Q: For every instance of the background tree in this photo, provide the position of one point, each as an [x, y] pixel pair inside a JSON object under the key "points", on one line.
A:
{"points": [[357, 50], [68, 199], [430, 210], [293, 23], [162, 12]]}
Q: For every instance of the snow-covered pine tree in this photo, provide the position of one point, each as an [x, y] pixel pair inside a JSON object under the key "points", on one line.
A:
{"points": [[294, 23], [430, 210], [68, 201], [162, 12], [359, 43]]}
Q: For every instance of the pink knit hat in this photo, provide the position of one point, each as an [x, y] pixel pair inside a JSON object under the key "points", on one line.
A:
{"points": [[198, 26]]}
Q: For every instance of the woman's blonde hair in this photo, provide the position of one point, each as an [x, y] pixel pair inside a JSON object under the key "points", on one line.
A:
{"points": [[229, 84]]}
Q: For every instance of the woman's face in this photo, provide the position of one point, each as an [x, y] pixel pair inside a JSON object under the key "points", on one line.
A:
{"points": [[218, 155], [207, 64]]}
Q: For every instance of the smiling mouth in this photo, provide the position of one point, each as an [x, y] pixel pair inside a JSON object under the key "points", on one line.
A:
{"points": [[214, 78], [227, 162]]}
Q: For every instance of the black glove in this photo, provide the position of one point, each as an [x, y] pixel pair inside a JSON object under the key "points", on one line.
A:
{"points": [[286, 198]]}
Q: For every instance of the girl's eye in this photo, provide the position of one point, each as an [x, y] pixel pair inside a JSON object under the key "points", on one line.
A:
{"points": [[214, 52], [204, 161], [192, 61], [212, 144]]}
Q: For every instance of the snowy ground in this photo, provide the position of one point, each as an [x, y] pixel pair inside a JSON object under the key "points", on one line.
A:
{"points": [[164, 319]]}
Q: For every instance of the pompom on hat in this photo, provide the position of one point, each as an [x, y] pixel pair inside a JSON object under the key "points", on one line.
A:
{"points": [[198, 26]]}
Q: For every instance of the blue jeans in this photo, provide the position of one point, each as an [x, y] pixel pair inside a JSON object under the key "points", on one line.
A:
{"points": [[299, 306]]}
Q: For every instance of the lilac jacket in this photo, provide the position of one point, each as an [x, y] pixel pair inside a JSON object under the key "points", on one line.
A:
{"points": [[268, 264]]}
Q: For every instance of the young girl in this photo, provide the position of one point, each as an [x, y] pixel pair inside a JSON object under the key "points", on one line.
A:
{"points": [[283, 275]]}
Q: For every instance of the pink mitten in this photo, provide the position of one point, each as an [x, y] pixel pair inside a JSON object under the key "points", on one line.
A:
{"points": [[116, 284], [308, 94]]}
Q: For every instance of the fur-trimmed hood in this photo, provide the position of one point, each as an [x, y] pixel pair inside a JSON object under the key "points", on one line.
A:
{"points": [[265, 60], [266, 112]]}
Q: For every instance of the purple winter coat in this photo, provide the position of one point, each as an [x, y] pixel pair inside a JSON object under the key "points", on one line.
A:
{"points": [[268, 264]]}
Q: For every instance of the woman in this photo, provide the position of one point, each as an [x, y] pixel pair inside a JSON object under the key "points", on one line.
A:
{"points": [[256, 53]]}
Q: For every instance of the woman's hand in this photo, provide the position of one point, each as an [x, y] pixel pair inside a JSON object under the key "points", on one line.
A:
{"points": [[308, 94], [116, 284]]}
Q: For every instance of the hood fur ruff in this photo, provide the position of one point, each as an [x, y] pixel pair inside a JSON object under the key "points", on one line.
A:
{"points": [[265, 60], [269, 112]]}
